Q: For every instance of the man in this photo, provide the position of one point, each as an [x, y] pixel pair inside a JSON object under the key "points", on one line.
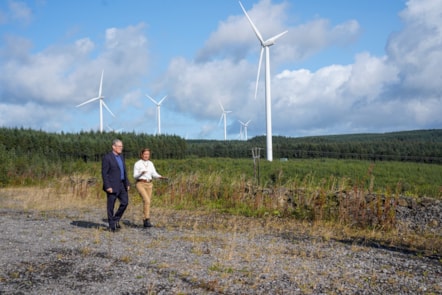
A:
{"points": [[115, 183]]}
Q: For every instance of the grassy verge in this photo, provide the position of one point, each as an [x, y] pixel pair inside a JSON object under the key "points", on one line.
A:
{"points": [[345, 200], [333, 208]]}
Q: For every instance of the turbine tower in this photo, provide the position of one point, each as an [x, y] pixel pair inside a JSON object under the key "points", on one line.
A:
{"points": [[158, 104], [268, 98], [224, 116], [102, 103], [244, 127]]}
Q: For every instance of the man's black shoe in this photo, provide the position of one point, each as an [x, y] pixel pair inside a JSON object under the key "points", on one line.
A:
{"points": [[112, 229], [146, 223]]}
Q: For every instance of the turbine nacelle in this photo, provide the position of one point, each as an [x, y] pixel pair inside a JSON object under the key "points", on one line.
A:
{"points": [[272, 41], [155, 102]]}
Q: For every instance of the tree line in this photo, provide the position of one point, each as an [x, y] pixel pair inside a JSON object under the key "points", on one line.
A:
{"points": [[416, 146]]}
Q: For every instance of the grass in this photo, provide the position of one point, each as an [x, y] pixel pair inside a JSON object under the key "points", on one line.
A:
{"points": [[325, 197], [48, 201], [208, 233]]}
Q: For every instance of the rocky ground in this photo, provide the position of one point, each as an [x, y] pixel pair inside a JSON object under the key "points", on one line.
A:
{"points": [[71, 252]]}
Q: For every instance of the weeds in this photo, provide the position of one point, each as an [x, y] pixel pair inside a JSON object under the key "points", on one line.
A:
{"points": [[351, 199]]}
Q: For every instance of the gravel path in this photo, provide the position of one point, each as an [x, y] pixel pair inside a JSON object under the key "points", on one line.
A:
{"points": [[73, 253]]}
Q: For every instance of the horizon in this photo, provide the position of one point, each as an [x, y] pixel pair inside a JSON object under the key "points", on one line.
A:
{"points": [[214, 139]]}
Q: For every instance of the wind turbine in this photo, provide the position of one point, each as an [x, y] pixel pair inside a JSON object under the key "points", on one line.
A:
{"points": [[224, 116], [158, 104], [114, 130], [244, 127], [102, 103], [268, 99]]}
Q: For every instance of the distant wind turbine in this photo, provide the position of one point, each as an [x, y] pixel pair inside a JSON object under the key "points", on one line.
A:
{"points": [[114, 130], [244, 127], [265, 47], [158, 104], [224, 116], [102, 103]]}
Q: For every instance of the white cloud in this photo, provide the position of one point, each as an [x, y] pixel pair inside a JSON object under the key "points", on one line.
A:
{"points": [[417, 49], [307, 39], [19, 11], [426, 111], [62, 72], [235, 38], [369, 76], [197, 88], [65, 75], [33, 115], [84, 46]]}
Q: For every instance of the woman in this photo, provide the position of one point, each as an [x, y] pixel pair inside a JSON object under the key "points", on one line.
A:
{"points": [[144, 173]]}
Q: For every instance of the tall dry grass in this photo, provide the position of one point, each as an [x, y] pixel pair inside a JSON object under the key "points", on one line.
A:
{"points": [[337, 207]]}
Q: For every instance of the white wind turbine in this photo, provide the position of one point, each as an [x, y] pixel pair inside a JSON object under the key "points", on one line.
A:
{"points": [[158, 104], [244, 127], [268, 99], [224, 116], [114, 130], [102, 103]]}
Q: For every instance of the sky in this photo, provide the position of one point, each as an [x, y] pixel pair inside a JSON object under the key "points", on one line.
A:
{"points": [[343, 67]]}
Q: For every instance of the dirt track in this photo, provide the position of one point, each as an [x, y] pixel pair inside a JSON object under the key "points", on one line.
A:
{"points": [[63, 252]]}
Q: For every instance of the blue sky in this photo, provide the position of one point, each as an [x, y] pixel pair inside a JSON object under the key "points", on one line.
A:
{"points": [[344, 66]]}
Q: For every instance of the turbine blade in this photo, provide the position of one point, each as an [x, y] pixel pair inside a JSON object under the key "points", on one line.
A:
{"points": [[153, 100], [162, 100], [104, 104], [272, 40], [221, 119], [259, 71], [86, 102], [101, 84], [253, 25], [220, 104]]}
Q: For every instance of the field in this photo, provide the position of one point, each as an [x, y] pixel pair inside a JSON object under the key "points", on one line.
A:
{"points": [[352, 199], [229, 225]]}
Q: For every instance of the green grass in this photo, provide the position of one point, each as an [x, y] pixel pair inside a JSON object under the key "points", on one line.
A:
{"points": [[414, 179], [219, 175], [317, 191]]}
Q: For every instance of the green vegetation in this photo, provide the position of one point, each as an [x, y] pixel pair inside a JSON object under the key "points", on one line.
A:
{"points": [[343, 191], [36, 158], [409, 146], [29, 157]]}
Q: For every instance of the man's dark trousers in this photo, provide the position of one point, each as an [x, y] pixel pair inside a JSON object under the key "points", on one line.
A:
{"points": [[123, 198]]}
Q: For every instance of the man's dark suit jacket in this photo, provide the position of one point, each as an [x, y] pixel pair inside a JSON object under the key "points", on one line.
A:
{"points": [[110, 172]]}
